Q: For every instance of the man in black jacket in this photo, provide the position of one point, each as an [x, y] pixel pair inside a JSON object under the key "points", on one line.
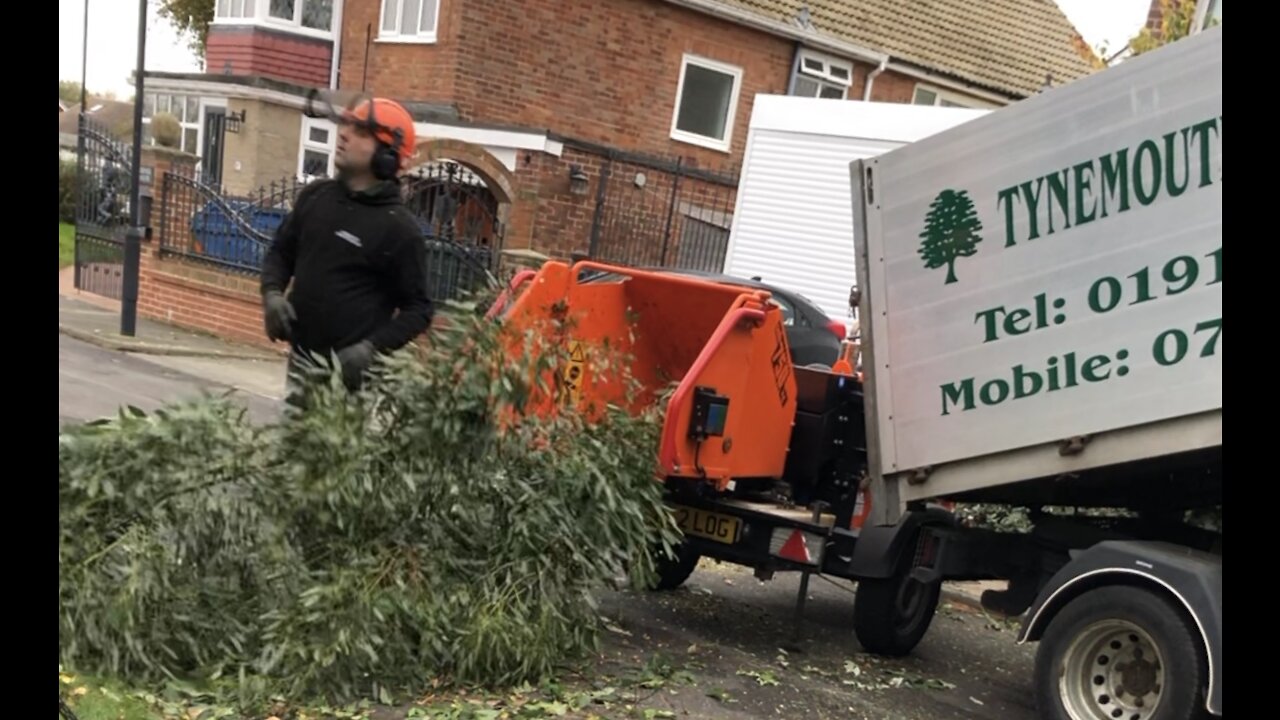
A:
{"points": [[354, 253]]}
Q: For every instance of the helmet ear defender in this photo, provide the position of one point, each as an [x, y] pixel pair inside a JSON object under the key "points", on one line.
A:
{"points": [[386, 158]]}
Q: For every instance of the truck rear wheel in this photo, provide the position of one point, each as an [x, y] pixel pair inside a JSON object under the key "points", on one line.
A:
{"points": [[1120, 653], [891, 615], [673, 571]]}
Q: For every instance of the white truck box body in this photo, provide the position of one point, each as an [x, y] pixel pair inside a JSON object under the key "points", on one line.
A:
{"points": [[793, 216], [1049, 271]]}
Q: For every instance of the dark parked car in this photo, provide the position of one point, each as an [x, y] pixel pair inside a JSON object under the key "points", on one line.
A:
{"points": [[814, 338]]}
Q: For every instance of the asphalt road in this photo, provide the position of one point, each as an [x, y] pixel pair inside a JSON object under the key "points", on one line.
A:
{"points": [[724, 626], [95, 383]]}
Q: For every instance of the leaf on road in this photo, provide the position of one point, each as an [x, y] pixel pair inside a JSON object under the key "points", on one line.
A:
{"points": [[721, 695], [763, 679], [616, 630]]}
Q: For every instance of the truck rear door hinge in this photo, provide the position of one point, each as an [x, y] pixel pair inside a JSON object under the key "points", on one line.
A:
{"points": [[919, 475], [1073, 445]]}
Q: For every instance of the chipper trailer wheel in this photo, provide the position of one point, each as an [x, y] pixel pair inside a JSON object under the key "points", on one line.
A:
{"points": [[672, 572], [1120, 653], [892, 614]]}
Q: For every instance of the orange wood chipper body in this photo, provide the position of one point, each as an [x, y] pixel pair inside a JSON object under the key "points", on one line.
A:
{"points": [[725, 348]]}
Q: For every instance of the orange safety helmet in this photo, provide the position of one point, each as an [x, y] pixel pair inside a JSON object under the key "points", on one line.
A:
{"points": [[390, 123]]}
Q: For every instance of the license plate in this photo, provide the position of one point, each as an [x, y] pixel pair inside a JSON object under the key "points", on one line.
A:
{"points": [[709, 525]]}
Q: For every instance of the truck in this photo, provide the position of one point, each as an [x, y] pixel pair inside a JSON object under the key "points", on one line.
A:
{"points": [[1041, 327], [1043, 304]]}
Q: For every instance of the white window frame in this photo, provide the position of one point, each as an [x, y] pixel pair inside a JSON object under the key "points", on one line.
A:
{"points": [[1205, 12], [184, 122], [261, 17], [305, 143], [939, 95], [824, 77], [701, 140], [396, 36]]}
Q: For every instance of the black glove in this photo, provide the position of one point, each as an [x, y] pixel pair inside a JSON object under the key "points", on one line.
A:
{"points": [[278, 316], [355, 360]]}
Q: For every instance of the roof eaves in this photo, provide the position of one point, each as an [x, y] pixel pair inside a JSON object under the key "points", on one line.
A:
{"points": [[790, 31]]}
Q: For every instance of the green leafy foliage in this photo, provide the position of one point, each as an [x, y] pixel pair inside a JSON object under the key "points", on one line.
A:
{"points": [[430, 527], [190, 18], [166, 130], [1176, 19], [69, 91], [66, 190]]}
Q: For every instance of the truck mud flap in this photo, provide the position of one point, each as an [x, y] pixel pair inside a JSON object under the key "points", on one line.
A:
{"points": [[879, 547]]}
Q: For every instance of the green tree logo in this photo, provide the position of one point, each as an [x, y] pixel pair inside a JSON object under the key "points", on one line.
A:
{"points": [[950, 231]]}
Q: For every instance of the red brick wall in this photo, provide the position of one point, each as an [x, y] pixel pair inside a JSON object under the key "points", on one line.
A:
{"points": [[887, 87], [205, 299], [1155, 15], [609, 75], [408, 71], [269, 53]]}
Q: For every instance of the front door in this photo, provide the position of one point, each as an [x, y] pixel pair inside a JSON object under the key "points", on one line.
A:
{"points": [[215, 127]]}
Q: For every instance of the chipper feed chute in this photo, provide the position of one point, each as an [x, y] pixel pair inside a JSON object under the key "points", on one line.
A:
{"points": [[732, 410]]}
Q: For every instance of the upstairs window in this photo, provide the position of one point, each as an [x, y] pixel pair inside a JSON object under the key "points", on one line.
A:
{"points": [[310, 14], [412, 21], [822, 76], [309, 17], [706, 103], [925, 95], [1213, 17], [235, 9]]}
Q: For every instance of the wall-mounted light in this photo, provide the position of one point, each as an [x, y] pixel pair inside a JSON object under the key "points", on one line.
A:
{"points": [[578, 180], [235, 121]]}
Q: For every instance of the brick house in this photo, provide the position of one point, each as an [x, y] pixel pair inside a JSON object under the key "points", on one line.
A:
{"points": [[621, 89], [243, 116], [607, 127]]}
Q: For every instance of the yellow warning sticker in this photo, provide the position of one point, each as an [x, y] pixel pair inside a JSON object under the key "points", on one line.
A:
{"points": [[573, 373]]}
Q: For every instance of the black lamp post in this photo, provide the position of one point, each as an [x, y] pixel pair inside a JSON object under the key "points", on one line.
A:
{"points": [[133, 238], [84, 58]]}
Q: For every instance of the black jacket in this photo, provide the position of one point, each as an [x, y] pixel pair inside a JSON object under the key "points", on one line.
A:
{"points": [[358, 265]]}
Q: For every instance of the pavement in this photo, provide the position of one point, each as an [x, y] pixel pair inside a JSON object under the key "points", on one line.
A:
{"points": [[99, 324], [100, 370]]}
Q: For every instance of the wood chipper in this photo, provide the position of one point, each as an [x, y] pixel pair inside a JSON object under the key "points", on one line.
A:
{"points": [[762, 460]]}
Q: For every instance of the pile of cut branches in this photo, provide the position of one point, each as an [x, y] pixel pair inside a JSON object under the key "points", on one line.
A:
{"points": [[364, 547]]}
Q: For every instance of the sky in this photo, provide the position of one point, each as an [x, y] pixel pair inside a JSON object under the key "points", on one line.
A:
{"points": [[113, 37]]}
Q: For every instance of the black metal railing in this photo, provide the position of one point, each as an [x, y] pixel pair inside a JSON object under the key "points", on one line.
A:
{"points": [[461, 224], [102, 213], [654, 212], [204, 223], [457, 213]]}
